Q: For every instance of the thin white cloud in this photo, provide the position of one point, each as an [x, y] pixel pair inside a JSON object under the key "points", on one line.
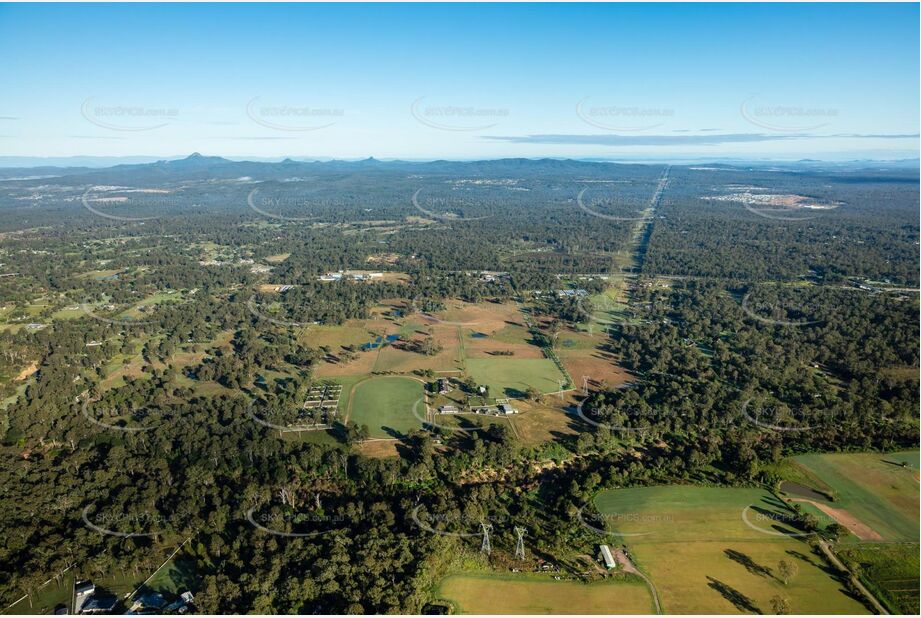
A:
{"points": [[710, 139]]}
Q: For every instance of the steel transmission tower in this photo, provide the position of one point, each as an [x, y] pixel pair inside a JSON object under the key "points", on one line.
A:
{"points": [[519, 547], [486, 548]]}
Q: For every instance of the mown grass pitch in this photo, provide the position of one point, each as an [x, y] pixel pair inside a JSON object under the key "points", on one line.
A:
{"points": [[511, 377], [538, 594], [703, 558], [385, 405], [874, 488]]}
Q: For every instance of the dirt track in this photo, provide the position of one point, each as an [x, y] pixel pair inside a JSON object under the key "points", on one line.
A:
{"points": [[861, 530]]}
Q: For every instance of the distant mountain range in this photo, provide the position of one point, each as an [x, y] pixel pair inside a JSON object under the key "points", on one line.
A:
{"points": [[198, 166]]}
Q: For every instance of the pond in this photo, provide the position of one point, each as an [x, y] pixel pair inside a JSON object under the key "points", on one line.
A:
{"points": [[377, 342]]}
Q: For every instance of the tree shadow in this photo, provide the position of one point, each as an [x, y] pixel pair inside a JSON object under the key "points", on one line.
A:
{"points": [[803, 557], [897, 464], [339, 432], [404, 451], [566, 440], [776, 503], [750, 565], [778, 517], [739, 600], [393, 433]]}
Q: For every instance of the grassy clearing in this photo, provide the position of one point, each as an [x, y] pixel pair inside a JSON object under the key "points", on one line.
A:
{"points": [[385, 405], [179, 575], [70, 312], [544, 422], [484, 317], [890, 570], [515, 333], [511, 377], [703, 557], [378, 449], [137, 311], [874, 488], [352, 334], [278, 258], [20, 390], [395, 357], [538, 594], [581, 357], [607, 308], [347, 383], [100, 274], [471, 422], [117, 370], [326, 438], [48, 597]]}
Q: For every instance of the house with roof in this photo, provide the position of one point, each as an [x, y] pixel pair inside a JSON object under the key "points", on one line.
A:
{"points": [[100, 604]]}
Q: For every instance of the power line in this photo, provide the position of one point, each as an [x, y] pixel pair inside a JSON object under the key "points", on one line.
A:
{"points": [[519, 548], [486, 548]]}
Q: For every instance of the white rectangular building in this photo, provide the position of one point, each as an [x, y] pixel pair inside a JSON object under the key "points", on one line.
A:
{"points": [[608, 558]]}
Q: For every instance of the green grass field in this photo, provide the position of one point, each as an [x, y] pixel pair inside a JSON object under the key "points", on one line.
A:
{"points": [[703, 558], [179, 575], [69, 313], [56, 592], [608, 308], [385, 405], [46, 598], [890, 570], [874, 488], [135, 313], [538, 594], [511, 377]]}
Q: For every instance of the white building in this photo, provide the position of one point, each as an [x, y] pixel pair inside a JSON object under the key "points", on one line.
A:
{"points": [[608, 558]]}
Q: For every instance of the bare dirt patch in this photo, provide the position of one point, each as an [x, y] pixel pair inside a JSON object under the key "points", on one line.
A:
{"points": [[27, 371], [384, 258], [378, 449], [861, 530]]}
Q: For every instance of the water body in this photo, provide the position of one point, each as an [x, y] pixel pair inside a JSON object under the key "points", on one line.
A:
{"points": [[378, 342], [795, 489]]}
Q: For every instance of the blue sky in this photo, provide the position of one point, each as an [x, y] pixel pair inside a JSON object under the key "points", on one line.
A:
{"points": [[830, 81]]}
